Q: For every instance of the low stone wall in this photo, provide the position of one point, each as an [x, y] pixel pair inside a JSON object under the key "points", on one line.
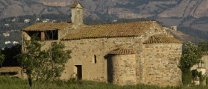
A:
{"points": [[13, 71]]}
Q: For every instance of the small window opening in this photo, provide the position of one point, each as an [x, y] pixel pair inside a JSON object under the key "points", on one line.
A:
{"points": [[44, 35], [94, 59], [35, 35], [52, 35]]}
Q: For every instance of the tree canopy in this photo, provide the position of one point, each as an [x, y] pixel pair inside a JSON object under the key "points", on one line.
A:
{"points": [[203, 46], [191, 55], [44, 64]]}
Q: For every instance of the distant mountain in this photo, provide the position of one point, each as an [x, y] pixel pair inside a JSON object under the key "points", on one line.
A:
{"points": [[14, 8], [191, 16], [119, 8]]}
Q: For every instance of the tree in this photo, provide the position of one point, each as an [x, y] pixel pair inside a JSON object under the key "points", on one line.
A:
{"points": [[52, 62], [29, 59], [2, 57], [203, 46], [10, 54], [191, 55], [46, 64]]}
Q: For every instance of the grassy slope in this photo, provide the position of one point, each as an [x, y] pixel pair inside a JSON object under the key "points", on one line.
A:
{"points": [[14, 83]]}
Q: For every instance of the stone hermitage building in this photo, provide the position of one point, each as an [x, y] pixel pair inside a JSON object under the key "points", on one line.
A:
{"points": [[120, 53]]}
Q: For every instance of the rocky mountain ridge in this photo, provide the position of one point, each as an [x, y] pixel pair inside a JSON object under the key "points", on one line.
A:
{"points": [[190, 16], [119, 8]]}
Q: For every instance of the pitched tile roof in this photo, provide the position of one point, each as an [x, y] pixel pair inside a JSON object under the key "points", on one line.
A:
{"points": [[47, 26], [122, 51], [161, 39], [111, 30]]}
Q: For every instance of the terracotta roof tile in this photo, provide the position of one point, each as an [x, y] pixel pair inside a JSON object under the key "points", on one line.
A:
{"points": [[47, 26], [161, 39], [111, 30], [122, 51]]}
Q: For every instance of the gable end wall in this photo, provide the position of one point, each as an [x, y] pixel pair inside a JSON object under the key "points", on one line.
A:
{"points": [[160, 64]]}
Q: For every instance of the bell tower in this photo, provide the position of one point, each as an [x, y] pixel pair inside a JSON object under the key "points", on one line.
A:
{"points": [[77, 13]]}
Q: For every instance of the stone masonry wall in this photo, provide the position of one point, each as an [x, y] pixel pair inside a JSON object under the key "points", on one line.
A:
{"points": [[160, 64], [205, 60], [85, 51], [124, 69], [155, 63]]}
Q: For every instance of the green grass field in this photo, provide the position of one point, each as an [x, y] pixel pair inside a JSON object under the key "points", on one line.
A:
{"points": [[15, 83]]}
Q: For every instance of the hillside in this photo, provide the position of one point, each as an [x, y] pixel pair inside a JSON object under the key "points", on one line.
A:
{"points": [[120, 8], [15, 8], [190, 16]]}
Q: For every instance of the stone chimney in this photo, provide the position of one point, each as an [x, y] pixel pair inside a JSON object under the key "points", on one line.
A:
{"points": [[77, 14]]}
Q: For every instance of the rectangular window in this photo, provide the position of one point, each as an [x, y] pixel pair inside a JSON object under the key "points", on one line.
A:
{"points": [[51, 35], [94, 60], [44, 35], [35, 34]]}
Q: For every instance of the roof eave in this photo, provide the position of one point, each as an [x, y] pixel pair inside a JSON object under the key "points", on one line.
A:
{"points": [[40, 30]]}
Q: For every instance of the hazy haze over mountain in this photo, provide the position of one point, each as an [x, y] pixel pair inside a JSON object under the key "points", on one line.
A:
{"points": [[187, 14], [120, 8]]}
